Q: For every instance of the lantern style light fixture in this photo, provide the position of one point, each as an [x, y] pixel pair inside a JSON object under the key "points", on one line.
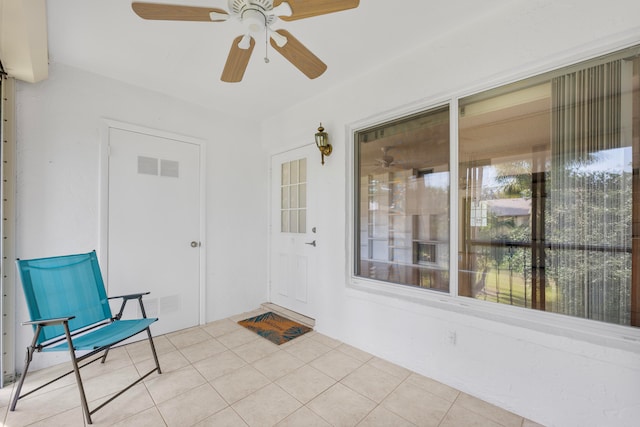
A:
{"points": [[322, 141]]}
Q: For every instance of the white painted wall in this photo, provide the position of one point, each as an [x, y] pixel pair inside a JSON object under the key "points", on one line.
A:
{"points": [[551, 378], [58, 183], [562, 379]]}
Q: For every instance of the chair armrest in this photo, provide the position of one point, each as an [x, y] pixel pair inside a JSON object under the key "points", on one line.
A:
{"points": [[49, 322], [130, 296]]}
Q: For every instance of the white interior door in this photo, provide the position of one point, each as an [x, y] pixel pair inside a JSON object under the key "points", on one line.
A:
{"points": [[154, 225], [294, 238]]}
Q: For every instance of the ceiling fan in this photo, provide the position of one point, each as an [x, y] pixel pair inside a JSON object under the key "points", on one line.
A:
{"points": [[257, 17], [387, 159]]}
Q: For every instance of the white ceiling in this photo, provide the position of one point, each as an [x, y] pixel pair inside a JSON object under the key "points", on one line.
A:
{"points": [[185, 59]]}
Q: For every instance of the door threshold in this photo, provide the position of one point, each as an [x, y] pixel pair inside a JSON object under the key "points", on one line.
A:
{"points": [[300, 318]]}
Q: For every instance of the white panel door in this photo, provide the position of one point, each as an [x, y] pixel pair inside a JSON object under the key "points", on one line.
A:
{"points": [[294, 237], [154, 225]]}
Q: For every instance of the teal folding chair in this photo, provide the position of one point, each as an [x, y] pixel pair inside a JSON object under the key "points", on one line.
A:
{"points": [[70, 311]]}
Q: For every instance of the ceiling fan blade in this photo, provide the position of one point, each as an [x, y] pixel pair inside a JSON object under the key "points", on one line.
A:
{"points": [[237, 61], [306, 9], [301, 57], [170, 12]]}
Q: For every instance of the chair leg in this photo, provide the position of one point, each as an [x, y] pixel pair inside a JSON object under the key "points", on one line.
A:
{"points": [[153, 347], [104, 357], [27, 362], [76, 370], [153, 350]]}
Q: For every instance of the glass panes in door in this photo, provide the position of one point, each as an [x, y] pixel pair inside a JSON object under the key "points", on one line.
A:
{"points": [[293, 200]]}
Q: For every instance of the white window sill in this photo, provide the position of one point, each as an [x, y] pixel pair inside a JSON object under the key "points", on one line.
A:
{"points": [[603, 334]]}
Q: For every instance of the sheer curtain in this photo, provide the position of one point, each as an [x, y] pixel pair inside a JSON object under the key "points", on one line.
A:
{"points": [[588, 213]]}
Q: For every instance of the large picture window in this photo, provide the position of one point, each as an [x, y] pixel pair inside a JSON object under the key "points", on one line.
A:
{"points": [[548, 194], [554, 163], [403, 200]]}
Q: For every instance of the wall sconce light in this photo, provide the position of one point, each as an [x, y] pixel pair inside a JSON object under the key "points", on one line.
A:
{"points": [[322, 141]]}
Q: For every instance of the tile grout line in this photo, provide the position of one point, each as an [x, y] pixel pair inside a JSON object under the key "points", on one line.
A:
{"points": [[390, 393], [449, 409]]}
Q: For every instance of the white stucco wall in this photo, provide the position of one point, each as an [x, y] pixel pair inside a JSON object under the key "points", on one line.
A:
{"points": [[58, 183], [561, 378]]}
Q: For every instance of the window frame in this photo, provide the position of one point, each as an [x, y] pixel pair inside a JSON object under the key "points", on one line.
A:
{"points": [[419, 113], [611, 335]]}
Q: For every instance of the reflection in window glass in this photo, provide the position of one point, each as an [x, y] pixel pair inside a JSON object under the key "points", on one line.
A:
{"points": [[403, 201], [547, 180]]}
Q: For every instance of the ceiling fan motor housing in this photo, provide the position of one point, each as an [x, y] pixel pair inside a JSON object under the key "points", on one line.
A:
{"points": [[254, 14]]}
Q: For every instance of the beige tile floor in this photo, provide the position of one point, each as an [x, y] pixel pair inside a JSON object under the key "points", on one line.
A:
{"points": [[221, 374]]}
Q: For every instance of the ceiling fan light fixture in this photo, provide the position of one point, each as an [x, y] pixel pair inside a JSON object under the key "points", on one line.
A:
{"points": [[254, 20]]}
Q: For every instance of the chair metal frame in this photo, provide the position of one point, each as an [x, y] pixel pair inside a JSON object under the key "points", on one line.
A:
{"points": [[103, 341]]}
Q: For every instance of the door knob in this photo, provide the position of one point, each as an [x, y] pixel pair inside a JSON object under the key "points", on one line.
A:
{"points": [[311, 243], [195, 244]]}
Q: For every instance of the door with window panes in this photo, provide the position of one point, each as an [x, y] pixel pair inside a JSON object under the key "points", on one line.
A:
{"points": [[294, 235]]}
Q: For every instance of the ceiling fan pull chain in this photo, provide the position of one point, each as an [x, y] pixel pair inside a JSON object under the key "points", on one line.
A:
{"points": [[266, 45]]}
